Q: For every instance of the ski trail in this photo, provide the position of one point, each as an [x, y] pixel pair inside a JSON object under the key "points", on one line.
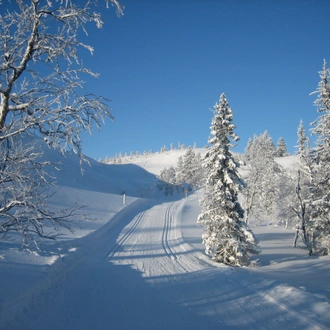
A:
{"points": [[38, 304], [139, 265], [170, 243], [168, 218], [155, 247], [127, 233]]}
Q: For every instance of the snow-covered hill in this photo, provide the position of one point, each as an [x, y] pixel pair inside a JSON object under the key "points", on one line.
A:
{"points": [[142, 265], [156, 162]]}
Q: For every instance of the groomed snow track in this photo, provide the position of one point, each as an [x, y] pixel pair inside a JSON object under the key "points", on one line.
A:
{"points": [[137, 272], [155, 248]]}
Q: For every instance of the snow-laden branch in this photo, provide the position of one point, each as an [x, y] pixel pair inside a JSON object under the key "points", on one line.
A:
{"points": [[42, 93]]}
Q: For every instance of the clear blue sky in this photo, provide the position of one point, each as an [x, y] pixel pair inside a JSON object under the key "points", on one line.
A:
{"points": [[165, 63]]}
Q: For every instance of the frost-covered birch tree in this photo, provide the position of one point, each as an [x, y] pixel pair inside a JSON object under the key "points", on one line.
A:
{"points": [[167, 181], [226, 236], [261, 189], [42, 94], [189, 170]]}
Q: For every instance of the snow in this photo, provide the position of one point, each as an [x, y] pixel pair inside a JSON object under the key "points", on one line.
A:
{"points": [[156, 162], [142, 265]]}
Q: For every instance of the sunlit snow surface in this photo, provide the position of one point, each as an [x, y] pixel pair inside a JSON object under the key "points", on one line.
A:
{"points": [[142, 265]]}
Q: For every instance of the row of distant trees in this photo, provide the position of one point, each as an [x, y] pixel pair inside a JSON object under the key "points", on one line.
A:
{"points": [[295, 198], [267, 189], [298, 197], [121, 158], [188, 174]]}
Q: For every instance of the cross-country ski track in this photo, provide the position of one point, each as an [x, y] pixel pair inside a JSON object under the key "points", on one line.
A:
{"points": [[142, 270]]}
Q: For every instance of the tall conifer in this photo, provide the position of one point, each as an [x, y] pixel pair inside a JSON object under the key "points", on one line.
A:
{"points": [[226, 236], [320, 165]]}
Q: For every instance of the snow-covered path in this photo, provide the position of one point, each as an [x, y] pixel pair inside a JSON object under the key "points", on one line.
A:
{"points": [[142, 270], [225, 297]]}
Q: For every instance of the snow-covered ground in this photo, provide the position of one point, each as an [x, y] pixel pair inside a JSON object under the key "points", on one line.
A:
{"points": [[142, 265]]}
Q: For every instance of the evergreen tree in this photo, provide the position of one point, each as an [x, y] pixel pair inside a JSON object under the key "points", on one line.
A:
{"points": [[320, 167], [267, 143], [281, 150], [302, 140], [163, 149], [226, 236]]}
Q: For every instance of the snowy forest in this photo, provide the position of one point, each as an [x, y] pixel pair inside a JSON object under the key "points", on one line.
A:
{"points": [[270, 193]]}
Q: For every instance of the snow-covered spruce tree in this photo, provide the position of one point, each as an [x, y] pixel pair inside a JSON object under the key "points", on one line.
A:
{"points": [[268, 143], [41, 94], [281, 149], [302, 147], [226, 236], [319, 159], [163, 149]]}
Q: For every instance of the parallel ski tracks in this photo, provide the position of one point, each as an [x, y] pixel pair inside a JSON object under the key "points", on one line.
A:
{"points": [[165, 216], [136, 222], [168, 219], [168, 230], [169, 242]]}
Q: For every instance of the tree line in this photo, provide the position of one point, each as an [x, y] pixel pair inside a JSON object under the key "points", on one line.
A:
{"points": [[121, 158], [187, 175], [300, 199]]}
